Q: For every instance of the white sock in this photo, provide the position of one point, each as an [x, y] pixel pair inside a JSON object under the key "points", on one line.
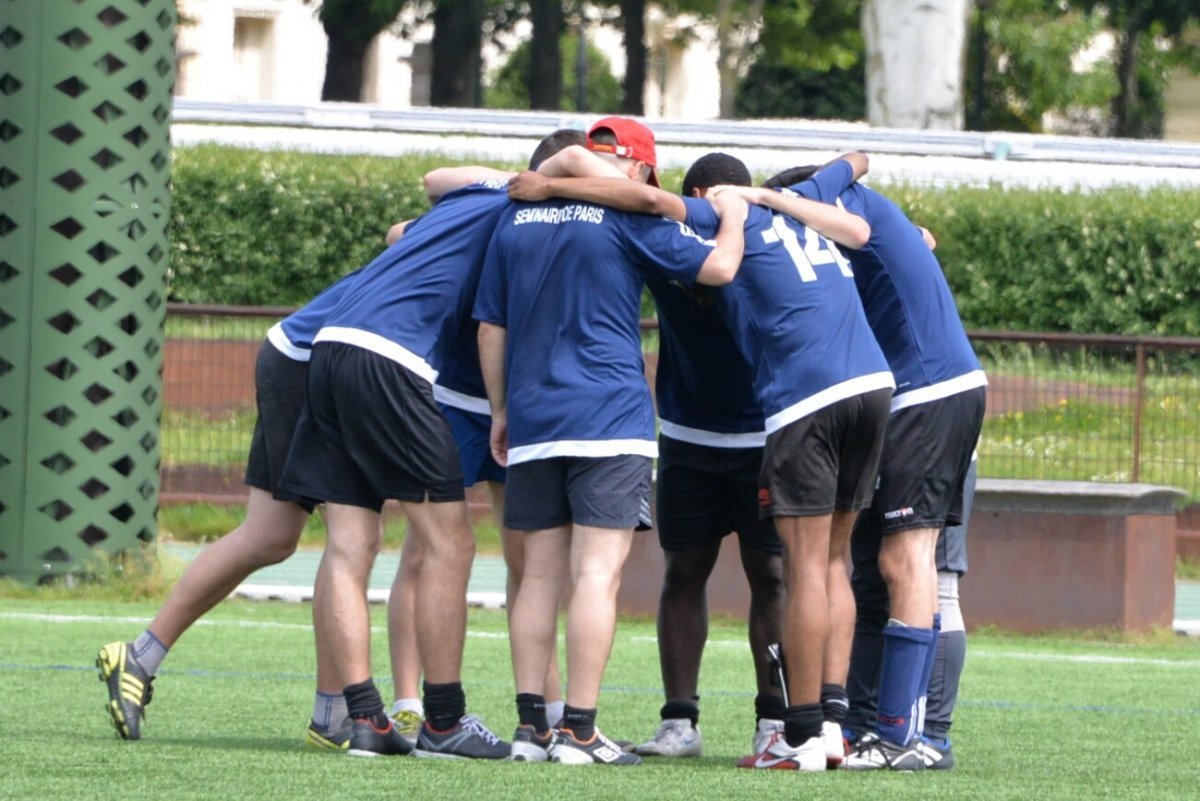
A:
{"points": [[408, 705], [554, 712], [149, 651], [329, 711]]}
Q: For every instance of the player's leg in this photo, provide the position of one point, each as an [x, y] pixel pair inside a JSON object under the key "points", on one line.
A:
{"points": [[407, 710], [871, 603]]}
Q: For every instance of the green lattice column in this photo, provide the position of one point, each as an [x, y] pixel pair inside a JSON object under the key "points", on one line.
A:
{"points": [[85, 98]]}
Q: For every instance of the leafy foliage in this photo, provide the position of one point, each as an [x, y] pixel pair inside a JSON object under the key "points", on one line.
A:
{"points": [[510, 88]]}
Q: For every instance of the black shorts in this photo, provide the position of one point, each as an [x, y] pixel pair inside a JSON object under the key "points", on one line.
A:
{"points": [[371, 431], [605, 492], [279, 389], [826, 461], [925, 460], [704, 493]]}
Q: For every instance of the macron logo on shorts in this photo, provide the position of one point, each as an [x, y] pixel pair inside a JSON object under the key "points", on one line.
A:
{"points": [[764, 498], [897, 514]]}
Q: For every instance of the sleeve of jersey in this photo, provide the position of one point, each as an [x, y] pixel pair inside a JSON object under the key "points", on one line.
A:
{"points": [[828, 183], [670, 249], [491, 299]]}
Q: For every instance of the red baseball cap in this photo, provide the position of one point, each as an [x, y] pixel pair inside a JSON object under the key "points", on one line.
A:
{"points": [[634, 141]]}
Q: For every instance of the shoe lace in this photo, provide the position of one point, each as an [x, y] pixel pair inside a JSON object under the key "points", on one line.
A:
{"points": [[476, 726]]}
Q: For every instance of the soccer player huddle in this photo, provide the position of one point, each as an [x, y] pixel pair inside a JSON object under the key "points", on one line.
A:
{"points": [[816, 394]]}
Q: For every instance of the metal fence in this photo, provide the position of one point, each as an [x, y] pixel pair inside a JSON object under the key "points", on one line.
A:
{"points": [[1060, 406]]}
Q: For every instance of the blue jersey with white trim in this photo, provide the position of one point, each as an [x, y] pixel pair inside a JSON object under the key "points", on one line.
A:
{"points": [[904, 292], [419, 290], [293, 335], [703, 385], [460, 379], [565, 279], [796, 317]]}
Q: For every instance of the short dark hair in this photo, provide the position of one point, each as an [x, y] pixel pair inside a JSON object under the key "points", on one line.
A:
{"points": [[713, 169], [559, 140], [791, 176]]}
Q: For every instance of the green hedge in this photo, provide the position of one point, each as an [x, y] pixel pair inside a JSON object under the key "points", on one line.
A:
{"points": [[275, 228]]}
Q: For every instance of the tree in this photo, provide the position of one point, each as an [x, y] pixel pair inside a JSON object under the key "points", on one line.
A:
{"points": [[915, 51], [351, 26], [545, 78], [457, 63], [633, 33], [1149, 41], [510, 88]]}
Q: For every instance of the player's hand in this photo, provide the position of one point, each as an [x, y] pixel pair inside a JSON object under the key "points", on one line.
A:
{"points": [[750, 194], [529, 185], [728, 205], [498, 441]]}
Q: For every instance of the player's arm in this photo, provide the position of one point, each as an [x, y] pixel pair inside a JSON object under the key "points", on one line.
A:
{"points": [[859, 163], [829, 221], [617, 193], [722, 264], [446, 179], [493, 340], [928, 237], [396, 231], [578, 162]]}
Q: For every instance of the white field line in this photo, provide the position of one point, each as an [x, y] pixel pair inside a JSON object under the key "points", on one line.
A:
{"points": [[974, 653]]}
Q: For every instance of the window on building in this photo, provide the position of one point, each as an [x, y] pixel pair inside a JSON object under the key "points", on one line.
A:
{"points": [[253, 56]]}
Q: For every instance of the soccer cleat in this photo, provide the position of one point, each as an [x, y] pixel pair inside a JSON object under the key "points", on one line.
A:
{"points": [[130, 688], [676, 737], [408, 723], [835, 744], [765, 733], [937, 754], [599, 750], [529, 746], [467, 739], [874, 753], [368, 740], [809, 756], [327, 739]]}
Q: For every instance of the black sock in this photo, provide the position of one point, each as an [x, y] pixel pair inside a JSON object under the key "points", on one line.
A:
{"points": [[834, 703], [531, 711], [445, 704], [676, 708], [363, 701], [581, 722], [802, 723], [768, 706]]}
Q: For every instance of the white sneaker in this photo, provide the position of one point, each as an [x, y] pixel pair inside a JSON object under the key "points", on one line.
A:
{"points": [[676, 737], [874, 753], [765, 733], [835, 744], [808, 756]]}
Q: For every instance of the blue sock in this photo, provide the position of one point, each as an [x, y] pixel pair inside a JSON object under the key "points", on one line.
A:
{"points": [[926, 672], [904, 651]]}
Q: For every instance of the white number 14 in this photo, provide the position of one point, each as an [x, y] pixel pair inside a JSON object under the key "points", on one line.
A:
{"points": [[816, 251]]}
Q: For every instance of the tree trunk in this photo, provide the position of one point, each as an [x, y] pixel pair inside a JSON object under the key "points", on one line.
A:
{"points": [[633, 14], [457, 39], [915, 55], [1125, 119], [734, 46], [545, 55], [344, 66]]}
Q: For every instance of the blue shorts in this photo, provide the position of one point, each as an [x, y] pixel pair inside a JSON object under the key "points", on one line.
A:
{"points": [[472, 432]]}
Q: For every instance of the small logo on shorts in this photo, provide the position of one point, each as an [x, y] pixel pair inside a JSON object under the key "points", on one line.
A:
{"points": [[764, 498], [896, 514]]}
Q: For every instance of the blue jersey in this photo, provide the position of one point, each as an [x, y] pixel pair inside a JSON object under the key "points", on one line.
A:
{"points": [[704, 388], [565, 279], [293, 335], [904, 292], [796, 317], [460, 380], [417, 292]]}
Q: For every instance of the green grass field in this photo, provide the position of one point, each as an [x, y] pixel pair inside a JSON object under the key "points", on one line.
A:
{"points": [[1039, 718]]}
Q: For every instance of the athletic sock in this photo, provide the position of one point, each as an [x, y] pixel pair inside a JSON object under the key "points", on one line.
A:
{"points": [[834, 703], [445, 704], [531, 711], [904, 649], [581, 722], [926, 670], [149, 651], [680, 708], [408, 705], [943, 683], [802, 723], [768, 706], [554, 712], [364, 702], [329, 711]]}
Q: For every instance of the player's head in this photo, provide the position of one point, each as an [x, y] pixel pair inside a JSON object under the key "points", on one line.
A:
{"points": [[628, 143], [712, 170], [559, 140], [790, 177]]}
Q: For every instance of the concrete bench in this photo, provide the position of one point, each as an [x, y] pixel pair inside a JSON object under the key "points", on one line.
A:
{"points": [[1043, 555]]}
